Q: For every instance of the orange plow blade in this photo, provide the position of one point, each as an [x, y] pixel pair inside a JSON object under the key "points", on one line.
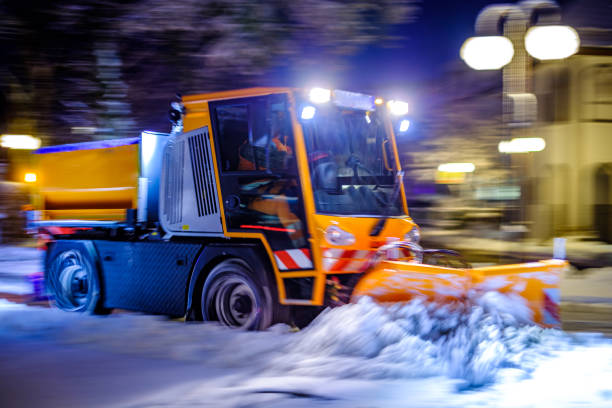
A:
{"points": [[531, 289]]}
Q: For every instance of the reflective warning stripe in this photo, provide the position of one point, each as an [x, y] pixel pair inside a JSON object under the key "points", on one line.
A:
{"points": [[335, 259], [551, 312], [343, 253], [293, 259]]}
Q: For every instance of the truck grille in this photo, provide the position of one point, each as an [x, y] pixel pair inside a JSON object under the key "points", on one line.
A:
{"points": [[203, 174], [173, 199]]}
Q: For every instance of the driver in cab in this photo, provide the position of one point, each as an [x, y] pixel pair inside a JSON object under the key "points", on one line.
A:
{"points": [[271, 197]]}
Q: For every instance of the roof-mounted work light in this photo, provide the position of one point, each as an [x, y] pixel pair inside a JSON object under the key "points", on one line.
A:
{"points": [[319, 95], [308, 112], [397, 108]]}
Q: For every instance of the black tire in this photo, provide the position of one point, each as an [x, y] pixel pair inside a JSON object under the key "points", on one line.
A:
{"points": [[72, 278], [237, 297]]}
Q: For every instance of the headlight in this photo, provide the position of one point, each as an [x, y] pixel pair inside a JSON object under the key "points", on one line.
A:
{"points": [[337, 236], [414, 235]]}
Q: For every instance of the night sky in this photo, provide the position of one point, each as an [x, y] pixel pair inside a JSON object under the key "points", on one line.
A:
{"points": [[431, 43], [429, 46]]}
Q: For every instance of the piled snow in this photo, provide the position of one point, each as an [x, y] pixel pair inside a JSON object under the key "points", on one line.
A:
{"points": [[416, 340], [363, 340], [17, 253], [15, 286], [6, 305], [362, 354], [16, 263]]}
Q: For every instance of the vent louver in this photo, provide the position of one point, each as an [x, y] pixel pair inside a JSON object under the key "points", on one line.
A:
{"points": [[203, 175], [173, 199]]}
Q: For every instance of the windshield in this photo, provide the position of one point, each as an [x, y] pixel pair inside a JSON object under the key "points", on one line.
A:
{"points": [[351, 162]]}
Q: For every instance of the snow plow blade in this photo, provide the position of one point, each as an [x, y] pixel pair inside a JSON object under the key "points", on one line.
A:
{"points": [[532, 287]]}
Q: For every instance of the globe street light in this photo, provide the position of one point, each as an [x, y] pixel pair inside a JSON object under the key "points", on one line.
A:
{"points": [[551, 42], [510, 51], [545, 41], [487, 52]]}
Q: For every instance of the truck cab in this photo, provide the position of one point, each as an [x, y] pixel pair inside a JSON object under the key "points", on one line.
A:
{"points": [[313, 175]]}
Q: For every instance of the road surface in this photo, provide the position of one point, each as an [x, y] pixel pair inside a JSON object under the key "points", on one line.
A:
{"points": [[359, 355]]}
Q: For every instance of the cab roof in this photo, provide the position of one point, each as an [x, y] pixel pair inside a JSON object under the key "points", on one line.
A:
{"points": [[236, 93]]}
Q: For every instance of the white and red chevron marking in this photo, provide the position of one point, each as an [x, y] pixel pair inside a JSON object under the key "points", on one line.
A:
{"points": [[293, 259], [551, 311], [335, 259]]}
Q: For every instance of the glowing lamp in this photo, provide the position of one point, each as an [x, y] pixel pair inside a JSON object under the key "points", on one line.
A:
{"points": [[308, 112], [25, 142], [404, 125], [319, 95], [397, 108], [378, 101], [522, 145], [551, 42], [489, 52], [457, 167], [30, 177]]}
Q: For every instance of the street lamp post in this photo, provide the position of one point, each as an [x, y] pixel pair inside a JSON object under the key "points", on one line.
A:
{"points": [[530, 28], [512, 50]]}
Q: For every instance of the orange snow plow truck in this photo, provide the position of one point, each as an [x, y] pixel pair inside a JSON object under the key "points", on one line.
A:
{"points": [[262, 204]]}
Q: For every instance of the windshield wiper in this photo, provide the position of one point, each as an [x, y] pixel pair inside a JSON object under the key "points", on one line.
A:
{"points": [[378, 227]]}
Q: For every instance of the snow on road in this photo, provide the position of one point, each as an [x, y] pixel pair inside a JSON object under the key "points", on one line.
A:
{"points": [[16, 263], [361, 355]]}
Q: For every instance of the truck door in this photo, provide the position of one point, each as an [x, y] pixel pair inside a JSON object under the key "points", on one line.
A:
{"points": [[259, 176]]}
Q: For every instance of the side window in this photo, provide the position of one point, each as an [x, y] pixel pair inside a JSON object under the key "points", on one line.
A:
{"points": [[256, 136], [233, 125], [272, 141]]}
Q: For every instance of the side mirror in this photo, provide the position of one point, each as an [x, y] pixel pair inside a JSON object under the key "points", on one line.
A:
{"points": [[176, 112]]}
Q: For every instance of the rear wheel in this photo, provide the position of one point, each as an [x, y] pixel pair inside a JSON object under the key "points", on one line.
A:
{"points": [[73, 281], [236, 297]]}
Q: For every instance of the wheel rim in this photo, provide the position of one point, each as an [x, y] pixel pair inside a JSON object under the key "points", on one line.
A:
{"points": [[235, 302], [70, 277]]}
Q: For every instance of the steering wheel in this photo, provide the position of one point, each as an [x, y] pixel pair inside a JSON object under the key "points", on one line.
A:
{"points": [[354, 163]]}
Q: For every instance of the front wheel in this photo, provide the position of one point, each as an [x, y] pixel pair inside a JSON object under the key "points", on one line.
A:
{"points": [[234, 296]]}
